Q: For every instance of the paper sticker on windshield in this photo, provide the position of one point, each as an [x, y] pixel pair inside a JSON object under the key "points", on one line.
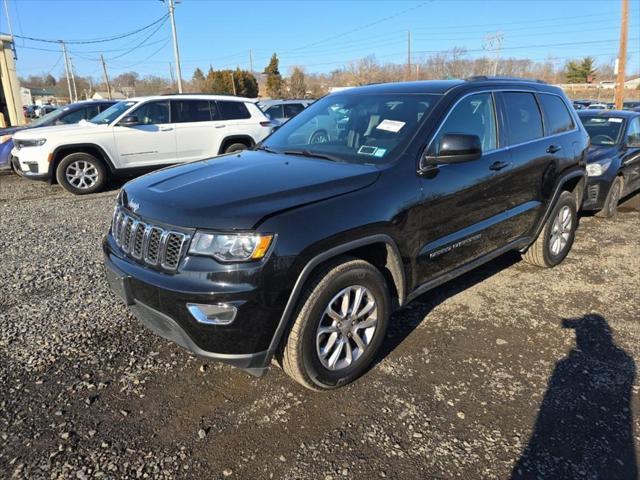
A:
{"points": [[367, 150], [380, 152], [615, 120], [390, 125]]}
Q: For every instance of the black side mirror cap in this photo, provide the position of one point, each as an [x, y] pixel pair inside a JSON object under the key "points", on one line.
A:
{"points": [[129, 121], [455, 148]]}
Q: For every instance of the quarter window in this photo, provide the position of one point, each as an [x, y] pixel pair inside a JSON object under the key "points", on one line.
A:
{"points": [[233, 110], [473, 115], [556, 115], [524, 122], [184, 111], [153, 113]]}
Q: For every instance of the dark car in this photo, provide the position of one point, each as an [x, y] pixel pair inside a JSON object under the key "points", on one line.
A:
{"points": [[300, 251], [72, 113], [613, 161]]}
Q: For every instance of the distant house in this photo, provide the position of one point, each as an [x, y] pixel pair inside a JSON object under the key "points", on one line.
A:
{"points": [[105, 95], [46, 95], [633, 83]]}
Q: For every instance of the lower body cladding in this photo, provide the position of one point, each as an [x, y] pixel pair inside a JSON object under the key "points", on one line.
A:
{"points": [[595, 193], [233, 326]]}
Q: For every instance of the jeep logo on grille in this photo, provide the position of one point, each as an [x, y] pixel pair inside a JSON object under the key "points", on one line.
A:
{"points": [[134, 206]]}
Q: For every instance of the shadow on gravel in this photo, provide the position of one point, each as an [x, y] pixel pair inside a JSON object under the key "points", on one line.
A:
{"points": [[585, 425], [405, 320]]}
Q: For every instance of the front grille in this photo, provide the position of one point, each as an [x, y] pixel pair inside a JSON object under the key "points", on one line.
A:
{"points": [[149, 244]]}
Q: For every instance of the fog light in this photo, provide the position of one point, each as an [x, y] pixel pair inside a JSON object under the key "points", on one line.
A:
{"points": [[218, 314]]}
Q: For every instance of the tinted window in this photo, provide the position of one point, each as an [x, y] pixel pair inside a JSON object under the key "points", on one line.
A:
{"points": [[556, 114], [292, 109], [274, 111], [233, 110], [72, 117], [523, 118], [215, 113], [91, 111], [473, 115], [153, 113], [633, 134], [190, 111]]}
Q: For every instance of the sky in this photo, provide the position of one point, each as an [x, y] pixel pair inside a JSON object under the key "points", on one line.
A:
{"points": [[320, 36]]}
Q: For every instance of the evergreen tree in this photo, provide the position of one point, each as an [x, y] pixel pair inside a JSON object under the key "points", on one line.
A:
{"points": [[581, 71], [199, 80], [274, 79]]}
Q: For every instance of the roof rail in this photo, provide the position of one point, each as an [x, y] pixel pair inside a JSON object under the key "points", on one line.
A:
{"points": [[479, 78]]}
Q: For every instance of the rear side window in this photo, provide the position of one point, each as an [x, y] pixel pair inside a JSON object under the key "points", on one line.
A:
{"points": [[473, 115], [524, 122], [274, 111], [556, 115], [233, 110], [184, 111], [292, 109]]}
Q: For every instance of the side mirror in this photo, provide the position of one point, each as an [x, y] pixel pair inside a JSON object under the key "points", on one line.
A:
{"points": [[456, 148], [129, 121]]}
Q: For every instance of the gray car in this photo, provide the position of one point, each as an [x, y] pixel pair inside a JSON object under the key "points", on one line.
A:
{"points": [[279, 111]]}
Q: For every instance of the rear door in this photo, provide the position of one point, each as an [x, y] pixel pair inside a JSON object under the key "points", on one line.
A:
{"points": [[236, 119], [462, 210], [152, 141], [196, 134]]}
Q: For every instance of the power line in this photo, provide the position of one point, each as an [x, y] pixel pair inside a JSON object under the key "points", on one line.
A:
{"points": [[102, 40]]}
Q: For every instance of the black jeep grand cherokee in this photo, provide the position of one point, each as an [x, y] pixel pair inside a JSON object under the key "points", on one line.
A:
{"points": [[301, 249]]}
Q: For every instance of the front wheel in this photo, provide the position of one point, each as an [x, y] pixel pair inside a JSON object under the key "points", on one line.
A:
{"points": [[235, 147], [340, 326], [81, 173], [557, 235], [610, 207]]}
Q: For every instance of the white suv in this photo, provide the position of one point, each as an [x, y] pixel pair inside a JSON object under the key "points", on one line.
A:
{"points": [[139, 134]]}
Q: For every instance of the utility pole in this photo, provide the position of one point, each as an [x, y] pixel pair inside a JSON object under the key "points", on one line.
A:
{"points": [[173, 80], [250, 61], [409, 54], [106, 76], [66, 68], [176, 52], [233, 82], [73, 79], [622, 56]]}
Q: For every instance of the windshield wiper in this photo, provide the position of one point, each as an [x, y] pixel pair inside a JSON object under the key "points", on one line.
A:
{"points": [[307, 153], [265, 149]]}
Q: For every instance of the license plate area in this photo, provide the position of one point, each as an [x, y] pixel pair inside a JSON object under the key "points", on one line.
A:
{"points": [[119, 283]]}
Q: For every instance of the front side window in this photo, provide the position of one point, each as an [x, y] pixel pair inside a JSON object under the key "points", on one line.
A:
{"points": [[112, 113], [524, 122], [633, 134], [473, 115], [72, 117], [556, 115], [184, 111], [292, 109], [274, 111], [357, 128], [233, 110], [602, 130], [153, 113]]}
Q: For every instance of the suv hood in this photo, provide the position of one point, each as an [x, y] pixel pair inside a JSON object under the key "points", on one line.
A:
{"points": [[597, 153], [236, 191], [40, 132]]}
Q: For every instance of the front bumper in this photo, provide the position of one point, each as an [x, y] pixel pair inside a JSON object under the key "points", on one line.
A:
{"points": [[159, 300], [596, 193], [31, 162]]}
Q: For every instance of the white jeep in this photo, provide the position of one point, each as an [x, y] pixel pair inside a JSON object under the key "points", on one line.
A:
{"points": [[136, 135]]}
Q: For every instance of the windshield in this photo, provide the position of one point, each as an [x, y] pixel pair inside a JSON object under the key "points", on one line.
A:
{"points": [[48, 118], [111, 113], [603, 130], [365, 128]]}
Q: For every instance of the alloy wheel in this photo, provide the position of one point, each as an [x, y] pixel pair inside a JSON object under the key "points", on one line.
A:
{"points": [[347, 327], [82, 174], [561, 231]]}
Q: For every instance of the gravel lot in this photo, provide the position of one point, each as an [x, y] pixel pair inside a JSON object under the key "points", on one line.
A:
{"points": [[485, 377]]}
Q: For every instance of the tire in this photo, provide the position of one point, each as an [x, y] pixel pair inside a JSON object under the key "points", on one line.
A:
{"points": [[300, 356], [94, 174], [319, 136], [235, 147], [610, 207], [552, 245]]}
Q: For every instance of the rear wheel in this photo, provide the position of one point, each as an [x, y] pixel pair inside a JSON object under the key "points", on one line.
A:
{"points": [[340, 326], [610, 207], [557, 235], [81, 173], [235, 147]]}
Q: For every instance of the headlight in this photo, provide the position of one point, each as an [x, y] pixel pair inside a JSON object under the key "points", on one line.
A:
{"points": [[30, 142], [597, 168], [238, 247], [5, 138]]}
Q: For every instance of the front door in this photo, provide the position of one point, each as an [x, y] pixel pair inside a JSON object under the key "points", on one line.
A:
{"points": [[151, 142], [462, 211]]}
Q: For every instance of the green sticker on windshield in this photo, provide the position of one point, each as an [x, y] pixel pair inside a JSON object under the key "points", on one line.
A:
{"points": [[380, 152]]}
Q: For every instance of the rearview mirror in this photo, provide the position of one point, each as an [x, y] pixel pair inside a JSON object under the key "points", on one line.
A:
{"points": [[129, 121], [456, 148]]}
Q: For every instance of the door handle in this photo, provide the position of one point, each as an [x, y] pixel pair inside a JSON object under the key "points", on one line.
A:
{"points": [[166, 129], [554, 148], [220, 126], [495, 166]]}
